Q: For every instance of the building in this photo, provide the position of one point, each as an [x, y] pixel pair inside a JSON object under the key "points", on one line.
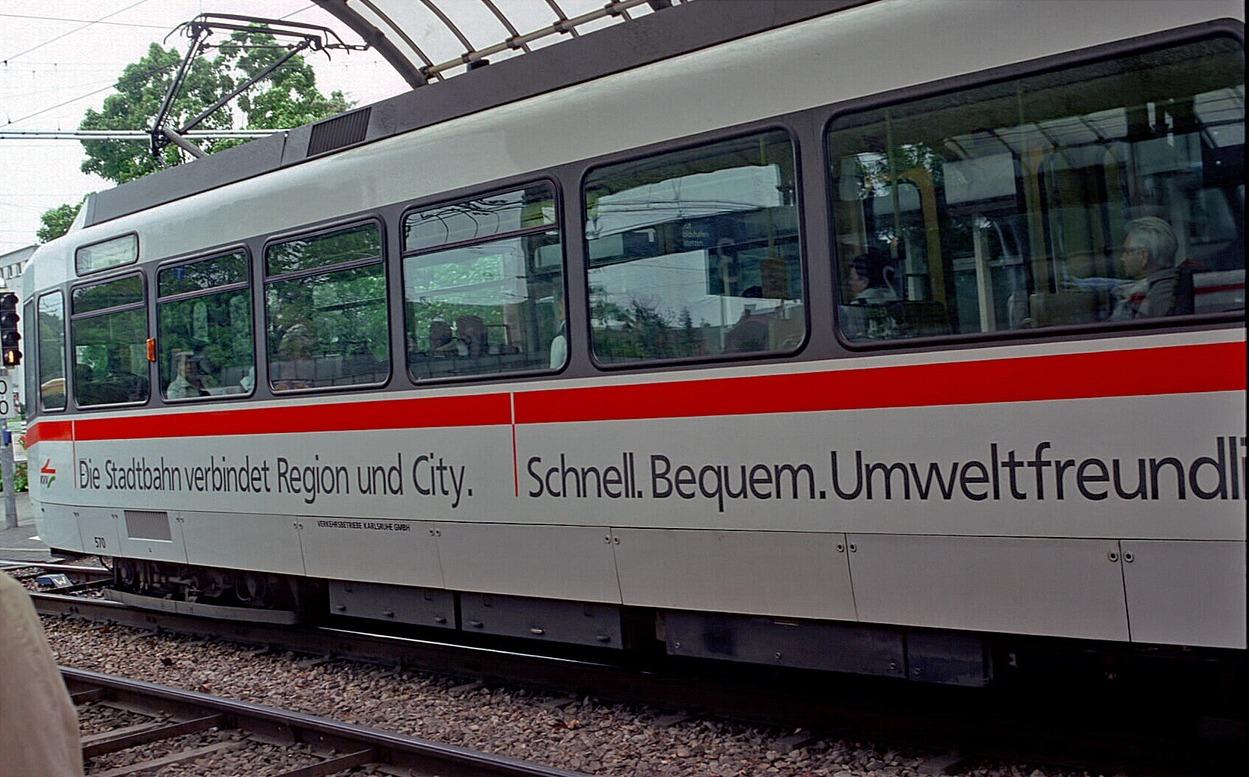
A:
{"points": [[11, 265]]}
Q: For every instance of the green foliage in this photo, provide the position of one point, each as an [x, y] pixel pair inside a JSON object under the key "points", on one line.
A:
{"points": [[288, 97], [56, 222], [140, 94], [640, 331], [342, 309], [20, 481], [292, 98]]}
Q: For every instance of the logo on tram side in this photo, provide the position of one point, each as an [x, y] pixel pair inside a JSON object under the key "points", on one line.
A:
{"points": [[47, 474]]}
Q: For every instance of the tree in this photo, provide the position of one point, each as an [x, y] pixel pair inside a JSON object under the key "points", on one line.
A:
{"points": [[292, 98], [56, 222], [288, 97]]}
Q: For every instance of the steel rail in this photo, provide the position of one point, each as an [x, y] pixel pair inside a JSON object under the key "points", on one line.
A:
{"points": [[1087, 726], [91, 572], [357, 745], [80, 578]]}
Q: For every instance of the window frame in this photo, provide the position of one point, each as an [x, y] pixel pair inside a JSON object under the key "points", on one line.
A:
{"points": [[782, 125], [40, 355], [159, 300], [262, 332], [558, 226], [1174, 39], [142, 304]]}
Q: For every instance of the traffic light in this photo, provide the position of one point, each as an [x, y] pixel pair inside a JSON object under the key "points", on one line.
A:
{"points": [[10, 337]]}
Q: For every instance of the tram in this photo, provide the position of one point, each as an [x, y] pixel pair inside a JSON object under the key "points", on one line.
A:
{"points": [[885, 337]]}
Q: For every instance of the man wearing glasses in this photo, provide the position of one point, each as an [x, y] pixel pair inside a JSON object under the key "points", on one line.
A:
{"points": [[1148, 258]]}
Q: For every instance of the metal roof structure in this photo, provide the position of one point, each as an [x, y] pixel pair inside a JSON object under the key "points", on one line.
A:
{"points": [[652, 31], [429, 40], [424, 40]]}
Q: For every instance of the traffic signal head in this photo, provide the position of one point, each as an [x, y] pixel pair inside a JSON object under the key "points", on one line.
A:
{"points": [[10, 336]]}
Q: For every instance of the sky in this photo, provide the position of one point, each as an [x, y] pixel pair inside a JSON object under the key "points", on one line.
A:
{"points": [[57, 59]]}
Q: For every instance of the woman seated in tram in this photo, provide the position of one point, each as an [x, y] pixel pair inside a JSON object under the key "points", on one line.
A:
{"points": [[870, 278]]}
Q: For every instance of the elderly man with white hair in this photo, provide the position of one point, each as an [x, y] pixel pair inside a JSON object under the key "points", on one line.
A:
{"points": [[1148, 258]]}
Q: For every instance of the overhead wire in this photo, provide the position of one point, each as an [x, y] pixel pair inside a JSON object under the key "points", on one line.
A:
{"points": [[84, 22], [104, 88], [9, 59], [92, 93]]}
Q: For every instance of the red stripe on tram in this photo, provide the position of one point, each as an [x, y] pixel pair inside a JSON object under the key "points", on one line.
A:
{"points": [[1140, 372], [421, 413], [56, 431]]}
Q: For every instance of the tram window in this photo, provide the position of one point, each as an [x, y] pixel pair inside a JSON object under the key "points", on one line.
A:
{"points": [[325, 310], [115, 252], [108, 333], [30, 375], [50, 329], [695, 253], [1101, 193], [483, 285], [204, 338]]}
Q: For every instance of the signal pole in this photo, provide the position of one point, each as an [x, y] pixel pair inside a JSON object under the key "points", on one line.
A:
{"points": [[6, 454], [10, 341], [6, 470]]}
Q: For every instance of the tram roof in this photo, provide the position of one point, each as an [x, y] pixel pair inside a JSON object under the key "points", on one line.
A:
{"points": [[632, 37]]}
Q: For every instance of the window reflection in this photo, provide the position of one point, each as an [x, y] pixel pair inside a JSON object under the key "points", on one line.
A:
{"points": [[51, 358], [1009, 206], [204, 329], [484, 285], [325, 310], [108, 329], [695, 253]]}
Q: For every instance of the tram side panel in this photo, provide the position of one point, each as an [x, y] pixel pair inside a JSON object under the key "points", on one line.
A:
{"points": [[57, 516], [1017, 517], [1004, 516]]}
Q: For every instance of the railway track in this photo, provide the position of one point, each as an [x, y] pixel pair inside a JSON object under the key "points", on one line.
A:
{"points": [[61, 578], [147, 727], [1101, 729]]}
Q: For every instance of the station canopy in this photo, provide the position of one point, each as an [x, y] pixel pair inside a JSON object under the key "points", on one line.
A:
{"points": [[430, 40]]}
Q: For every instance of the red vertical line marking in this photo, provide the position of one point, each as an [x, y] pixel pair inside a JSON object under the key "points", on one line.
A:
{"points": [[511, 398], [73, 447]]}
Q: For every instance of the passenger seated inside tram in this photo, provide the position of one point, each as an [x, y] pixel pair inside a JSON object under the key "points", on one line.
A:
{"points": [[471, 336], [868, 312], [191, 379], [441, 340], [559, 343], [1148, 258], [869, 278], [1151, 281], [294, 367]]}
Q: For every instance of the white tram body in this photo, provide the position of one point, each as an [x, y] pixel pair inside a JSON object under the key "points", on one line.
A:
{"points": [[883, 504]]}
